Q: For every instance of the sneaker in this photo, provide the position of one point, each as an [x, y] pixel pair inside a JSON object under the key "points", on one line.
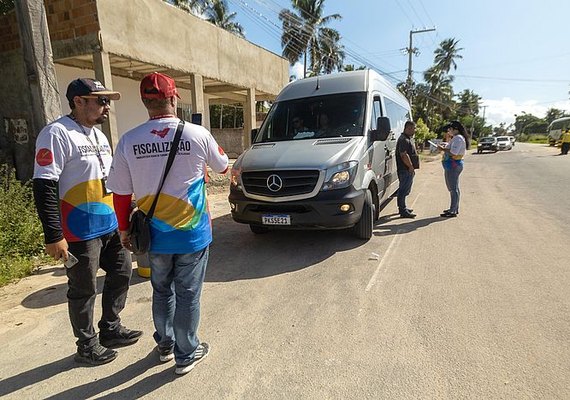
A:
{"points": [[448, 215], [201, 352], [407, 214], [97, 355], [119, 337], [165, 354]]}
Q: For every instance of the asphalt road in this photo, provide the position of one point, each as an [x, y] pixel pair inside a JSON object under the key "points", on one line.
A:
{"points": [[475, 307]]}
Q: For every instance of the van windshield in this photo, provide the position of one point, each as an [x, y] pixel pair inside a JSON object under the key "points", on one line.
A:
{"points": [[335, 115]]}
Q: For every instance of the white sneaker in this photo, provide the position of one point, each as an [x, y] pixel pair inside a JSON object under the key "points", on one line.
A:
{"points": [[201, 352]]}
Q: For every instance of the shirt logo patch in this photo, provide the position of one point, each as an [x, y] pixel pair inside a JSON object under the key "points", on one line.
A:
{"points": [[161, 133], [44, 157], [220, 150]]}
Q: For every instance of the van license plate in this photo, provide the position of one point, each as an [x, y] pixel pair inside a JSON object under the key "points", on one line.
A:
{"points": [[273, 219]]}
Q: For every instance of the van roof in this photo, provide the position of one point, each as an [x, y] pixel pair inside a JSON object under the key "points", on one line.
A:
{"points": [[341, 82]]}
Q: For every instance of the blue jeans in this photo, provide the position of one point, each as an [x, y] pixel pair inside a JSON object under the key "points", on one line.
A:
{"points": [[406, 179], [452, 183], [177, 285]]}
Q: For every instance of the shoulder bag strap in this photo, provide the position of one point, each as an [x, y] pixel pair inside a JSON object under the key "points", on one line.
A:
{"points": [[169, 162]]}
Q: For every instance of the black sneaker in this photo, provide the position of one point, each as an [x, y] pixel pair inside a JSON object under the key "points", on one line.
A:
{"points": [[407, 214], [119, 337], [97, 355], [448, 215], [201, 352], [165, 354]]}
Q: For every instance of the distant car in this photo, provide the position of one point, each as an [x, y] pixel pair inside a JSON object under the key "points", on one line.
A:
{"points": [[504, 143], [513, 140], [487, 143]]}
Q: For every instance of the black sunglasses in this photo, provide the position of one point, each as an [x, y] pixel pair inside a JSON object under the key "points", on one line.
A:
{"points": [[101, 100]]}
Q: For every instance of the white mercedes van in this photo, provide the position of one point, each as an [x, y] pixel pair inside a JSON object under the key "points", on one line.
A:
{"points": [[324, 157]]}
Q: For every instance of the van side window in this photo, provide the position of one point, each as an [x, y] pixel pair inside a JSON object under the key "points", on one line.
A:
{"points": [[398, 115], [376, 112]]}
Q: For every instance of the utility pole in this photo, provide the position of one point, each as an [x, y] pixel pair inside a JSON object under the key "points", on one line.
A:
{"points": [[39, 68], [411, 50], [484, 109]]}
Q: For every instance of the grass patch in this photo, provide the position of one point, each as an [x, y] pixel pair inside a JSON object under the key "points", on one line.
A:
{"points": [[21, 235], [542, 139]]}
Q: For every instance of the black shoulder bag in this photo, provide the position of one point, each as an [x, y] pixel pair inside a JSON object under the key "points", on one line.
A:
{"points": [[139, 230]]}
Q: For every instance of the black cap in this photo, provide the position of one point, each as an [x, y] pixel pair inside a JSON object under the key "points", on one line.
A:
{"points": [[452, 124], [87, 87]]}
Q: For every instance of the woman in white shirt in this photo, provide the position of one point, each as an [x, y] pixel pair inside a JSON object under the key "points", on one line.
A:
{"points": [[452, 162]]}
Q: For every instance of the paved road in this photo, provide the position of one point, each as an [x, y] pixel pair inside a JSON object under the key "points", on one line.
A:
{"points": [[475, 307]]}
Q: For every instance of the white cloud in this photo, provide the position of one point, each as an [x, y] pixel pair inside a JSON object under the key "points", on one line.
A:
{"points": [[504, 110]]}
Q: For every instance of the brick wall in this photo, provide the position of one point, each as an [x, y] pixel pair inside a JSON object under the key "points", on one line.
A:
{"points": [[9, 36], [67, 19]]}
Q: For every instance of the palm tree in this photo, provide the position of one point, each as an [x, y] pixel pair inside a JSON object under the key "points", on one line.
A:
{"points": [[332, 52], [216, 12], [446, 55], [468, 103], [195, 7], [305, 31]]}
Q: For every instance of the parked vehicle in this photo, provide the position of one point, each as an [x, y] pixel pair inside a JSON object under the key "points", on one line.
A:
{"points": [[337, 171], [556, 128], [504, 143], [487, 144]]}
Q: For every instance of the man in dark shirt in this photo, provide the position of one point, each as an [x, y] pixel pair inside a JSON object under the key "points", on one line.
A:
{"points": [[405, 153]]}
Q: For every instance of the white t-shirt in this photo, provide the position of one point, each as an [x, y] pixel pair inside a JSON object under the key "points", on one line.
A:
{"points": [[457, 146], [66, 152], [181, 221]]}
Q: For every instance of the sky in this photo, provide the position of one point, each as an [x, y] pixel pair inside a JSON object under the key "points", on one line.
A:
{"points": [[516, 55]]}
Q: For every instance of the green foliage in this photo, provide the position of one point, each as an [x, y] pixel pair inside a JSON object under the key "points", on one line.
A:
{"points": [[533, 138], [6, 6], [422, 132], [231, 116], [21, 237]]}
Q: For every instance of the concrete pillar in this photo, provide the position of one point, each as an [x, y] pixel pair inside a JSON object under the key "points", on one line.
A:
{"points": [[199, 103], [249, 121], [103, 74]]}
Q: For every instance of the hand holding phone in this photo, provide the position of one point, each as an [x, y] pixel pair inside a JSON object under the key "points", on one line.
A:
{"points": [[71, 260]]}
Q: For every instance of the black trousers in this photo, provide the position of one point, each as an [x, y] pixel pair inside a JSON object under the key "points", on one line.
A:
{"points": [[565, 147], [105, 252]]}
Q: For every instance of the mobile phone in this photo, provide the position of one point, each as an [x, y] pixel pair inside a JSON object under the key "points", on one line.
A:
{"points": [[71, 260]]}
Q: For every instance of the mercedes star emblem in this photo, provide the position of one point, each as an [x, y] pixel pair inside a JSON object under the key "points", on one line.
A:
{"points": [[274, 183]]}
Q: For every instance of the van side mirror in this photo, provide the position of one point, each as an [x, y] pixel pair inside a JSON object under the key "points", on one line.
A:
{"points": [[382, 129], [253, 134]]}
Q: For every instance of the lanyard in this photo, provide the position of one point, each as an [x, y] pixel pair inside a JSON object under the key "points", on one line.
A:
{"points": [[97, 150]]}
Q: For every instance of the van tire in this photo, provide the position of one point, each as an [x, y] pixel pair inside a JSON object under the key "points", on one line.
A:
{"points": [[363, 228], [258, 230]]}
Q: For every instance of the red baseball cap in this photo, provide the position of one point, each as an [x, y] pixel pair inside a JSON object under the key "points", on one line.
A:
{"points": [[158, 86]]}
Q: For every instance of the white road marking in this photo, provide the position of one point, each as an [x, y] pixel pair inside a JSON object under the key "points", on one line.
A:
{"points": [[393, 243]]}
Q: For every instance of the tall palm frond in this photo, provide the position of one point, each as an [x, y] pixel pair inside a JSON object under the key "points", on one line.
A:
{"points": [[217, 13], [305, 34], [446, 55]]}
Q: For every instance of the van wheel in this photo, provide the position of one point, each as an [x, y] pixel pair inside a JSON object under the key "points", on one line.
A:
{"points": [[258, 230], [363, 229]]}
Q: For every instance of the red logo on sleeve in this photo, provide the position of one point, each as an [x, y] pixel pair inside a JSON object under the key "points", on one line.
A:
{"points": [[44, 157], [220, 150]]}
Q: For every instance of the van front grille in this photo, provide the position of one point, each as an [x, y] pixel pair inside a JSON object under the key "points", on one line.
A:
{"points": [[280, 183]]}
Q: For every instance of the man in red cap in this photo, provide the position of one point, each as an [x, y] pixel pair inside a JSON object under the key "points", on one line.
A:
{"points": [[181, 225], [73, 159]]}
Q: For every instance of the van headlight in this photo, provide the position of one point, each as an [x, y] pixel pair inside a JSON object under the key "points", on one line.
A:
{"points": [[235, 179], [340, 176]]}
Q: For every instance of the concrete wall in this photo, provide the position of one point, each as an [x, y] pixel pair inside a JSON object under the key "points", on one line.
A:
{"points": [[15, 103], [185, 43]]}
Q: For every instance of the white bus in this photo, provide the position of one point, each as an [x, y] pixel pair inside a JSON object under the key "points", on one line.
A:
{"points": [[556, 128]]}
